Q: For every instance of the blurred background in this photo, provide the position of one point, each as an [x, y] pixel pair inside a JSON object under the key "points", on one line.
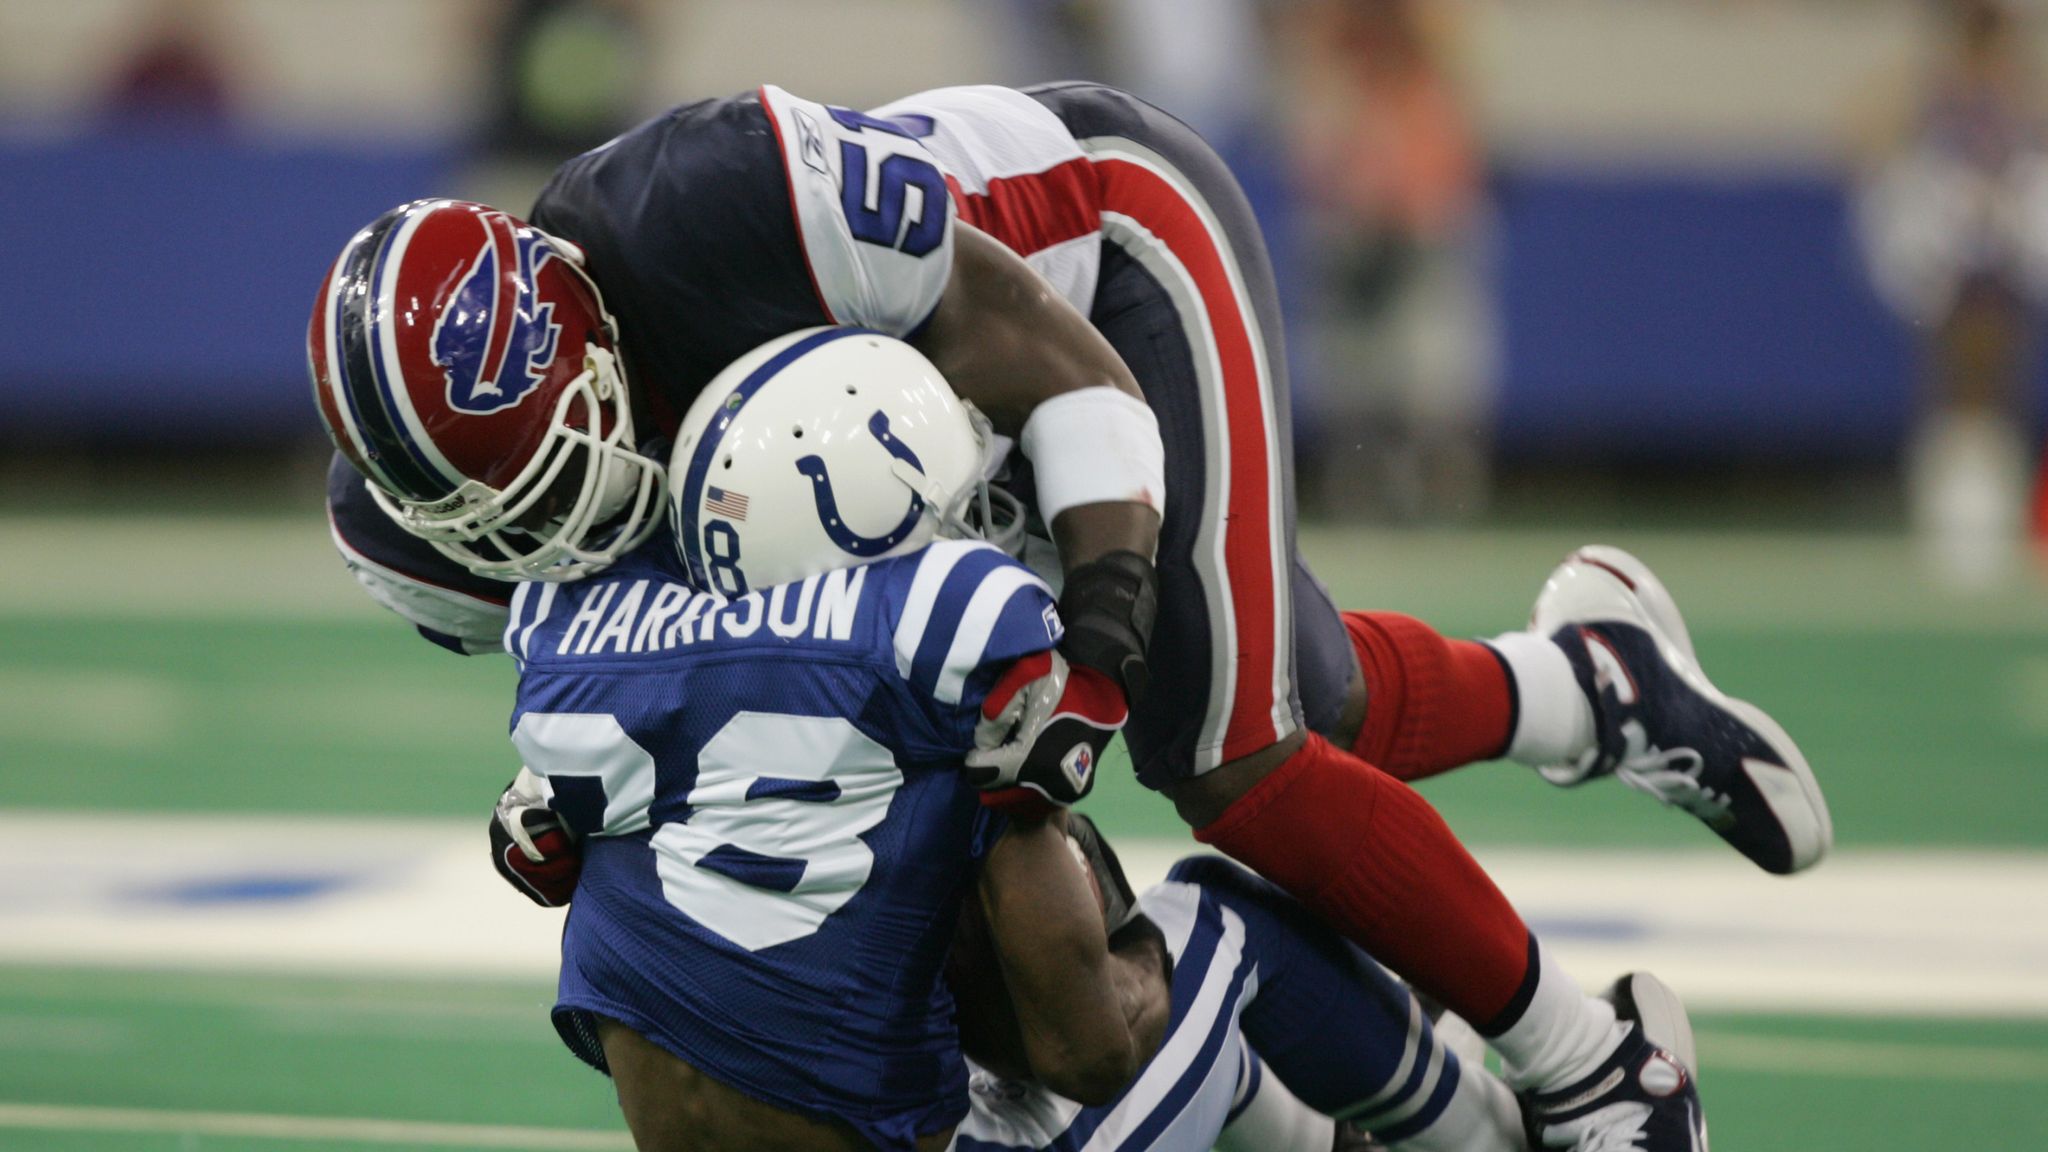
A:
{"points": [[1751, 287]]}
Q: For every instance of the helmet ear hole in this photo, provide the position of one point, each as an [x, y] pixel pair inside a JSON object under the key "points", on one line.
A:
{"points": [[797, 432], [728, 462]]}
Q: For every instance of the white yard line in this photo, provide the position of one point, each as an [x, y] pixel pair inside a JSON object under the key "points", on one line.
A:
{"points": [[326, 1129], [1926, 933]]}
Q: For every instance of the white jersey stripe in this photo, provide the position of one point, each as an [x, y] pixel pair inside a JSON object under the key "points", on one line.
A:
{"points": [[512, 617], [1208, 554], [1131, 235], [977, 623], [932, 570], [1178, 1055], [540, 614], [1391, 1091], [1409, 1103]]}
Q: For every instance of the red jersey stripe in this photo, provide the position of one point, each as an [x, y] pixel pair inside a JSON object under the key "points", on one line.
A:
{"points": [[1131, 190], [1033, 212]]}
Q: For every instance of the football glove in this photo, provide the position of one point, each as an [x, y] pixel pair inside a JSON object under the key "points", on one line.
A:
{"points": [[1108, 606], [1042, 729], [533, 850]]}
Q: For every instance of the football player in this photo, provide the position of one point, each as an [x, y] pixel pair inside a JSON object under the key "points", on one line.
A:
{"points": [[775, 836], [1268, 1008], [1085, 270]]}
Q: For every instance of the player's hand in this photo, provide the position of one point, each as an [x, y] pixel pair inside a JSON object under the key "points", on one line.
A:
{"points": [[1042, 729], [1351, 1137], [533, 850], [1108, 606]]}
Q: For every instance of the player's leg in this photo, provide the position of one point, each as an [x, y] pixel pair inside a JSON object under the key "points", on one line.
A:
{"points": [[1611, 685], [1604, 682], [1346, 1038], [670, 1106], [1186, 297]]}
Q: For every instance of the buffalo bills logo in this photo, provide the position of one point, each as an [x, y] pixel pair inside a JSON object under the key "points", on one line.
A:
{"points": [[496, 339]]}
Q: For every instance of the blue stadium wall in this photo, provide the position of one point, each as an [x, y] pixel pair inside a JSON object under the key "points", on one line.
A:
{"points": [[158, 289]]}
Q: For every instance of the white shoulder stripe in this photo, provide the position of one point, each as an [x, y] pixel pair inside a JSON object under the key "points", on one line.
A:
{"points": [[512, 617], [540, 614], [932, 570], [977, 623]]}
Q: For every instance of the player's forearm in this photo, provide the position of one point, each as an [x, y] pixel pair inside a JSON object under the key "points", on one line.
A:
{"points": [[1047, 927], [1008, 342], [1089, 532]]}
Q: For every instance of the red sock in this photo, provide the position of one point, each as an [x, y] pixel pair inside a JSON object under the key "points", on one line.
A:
{"points": [[1431, 704], [2041, 505], [1376, 862]]}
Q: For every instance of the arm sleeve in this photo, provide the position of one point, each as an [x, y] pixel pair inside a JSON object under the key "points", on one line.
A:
{"points": [[969, 613], [449, 604], [873, 210]]}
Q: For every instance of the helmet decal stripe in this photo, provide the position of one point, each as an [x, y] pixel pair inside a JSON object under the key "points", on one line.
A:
{"points": [[398, 399], [323, 358], [504, 251], [687, 534], [353, 341]]}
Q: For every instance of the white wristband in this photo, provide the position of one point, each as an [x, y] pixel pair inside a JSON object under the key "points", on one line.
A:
{"points": [[1094, 446]]}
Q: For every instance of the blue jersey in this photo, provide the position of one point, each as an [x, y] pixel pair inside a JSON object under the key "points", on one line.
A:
{"points": [[778, 836]]}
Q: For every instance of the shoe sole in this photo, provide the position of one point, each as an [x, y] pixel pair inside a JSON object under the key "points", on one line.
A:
{"points": [[1660, 617]]}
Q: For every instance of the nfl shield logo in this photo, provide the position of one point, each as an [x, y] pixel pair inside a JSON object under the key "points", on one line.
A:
{"points": [[1078, 763]]}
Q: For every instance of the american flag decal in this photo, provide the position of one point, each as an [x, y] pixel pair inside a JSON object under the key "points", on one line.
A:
{"points": [[730, 505]]}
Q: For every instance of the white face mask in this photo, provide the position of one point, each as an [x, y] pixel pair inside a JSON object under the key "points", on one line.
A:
{"points": [[617, 504]]}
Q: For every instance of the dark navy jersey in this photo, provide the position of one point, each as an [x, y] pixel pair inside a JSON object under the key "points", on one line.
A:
{"points": [[723, 224], [778, 834]]}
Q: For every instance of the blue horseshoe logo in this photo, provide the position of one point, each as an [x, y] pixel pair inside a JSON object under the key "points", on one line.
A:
{"points": [[828, 505]]}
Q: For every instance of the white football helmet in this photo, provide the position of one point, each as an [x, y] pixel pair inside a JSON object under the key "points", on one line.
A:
{"points": [[825, 449]]}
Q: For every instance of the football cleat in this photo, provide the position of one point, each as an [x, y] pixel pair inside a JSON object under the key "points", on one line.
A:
{"points": [[1643, 1098], [1663, 728]]}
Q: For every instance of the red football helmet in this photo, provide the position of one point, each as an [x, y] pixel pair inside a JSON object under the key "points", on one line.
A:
{"points": [[465, 364]]}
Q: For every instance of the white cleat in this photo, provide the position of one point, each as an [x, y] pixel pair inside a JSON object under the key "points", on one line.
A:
{"points": [[1663, 728], [1642, 1098]]}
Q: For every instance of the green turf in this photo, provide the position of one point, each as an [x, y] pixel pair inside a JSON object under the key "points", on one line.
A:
{"points": [[485, 1054], [1821, 1084], [207, 689], [481, 1053], [1921, 738]]}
